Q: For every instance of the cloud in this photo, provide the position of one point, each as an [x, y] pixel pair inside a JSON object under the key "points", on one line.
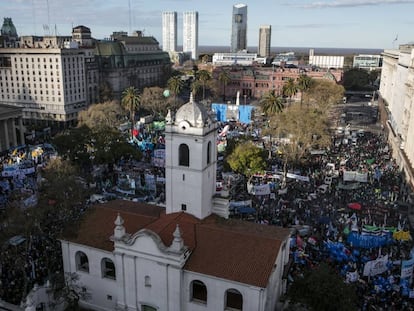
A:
{"points": [[351, 3]]}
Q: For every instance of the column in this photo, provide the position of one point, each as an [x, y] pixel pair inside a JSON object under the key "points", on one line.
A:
{"points": [[13, 127], [6, 135], [21, 129]]}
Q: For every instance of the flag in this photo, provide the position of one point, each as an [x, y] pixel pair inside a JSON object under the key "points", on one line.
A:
{"points": [[396, 38]]}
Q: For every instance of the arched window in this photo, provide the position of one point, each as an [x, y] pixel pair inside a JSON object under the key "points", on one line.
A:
{"points": [[198, 291], [183, 155], [209, 152], [234, 300], [108, 268], [82, 262]]}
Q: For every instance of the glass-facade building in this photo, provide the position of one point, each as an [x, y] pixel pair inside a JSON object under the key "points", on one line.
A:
{"points": [[239, 28]]}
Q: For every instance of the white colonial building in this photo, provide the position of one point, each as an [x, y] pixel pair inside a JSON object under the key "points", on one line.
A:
{"points": [[397, 100], [135, 256]]}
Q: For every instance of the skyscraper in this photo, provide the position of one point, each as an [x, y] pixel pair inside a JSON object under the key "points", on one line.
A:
{"points": [[190, 33], [265, 34], [169, 31], [239, 28]]}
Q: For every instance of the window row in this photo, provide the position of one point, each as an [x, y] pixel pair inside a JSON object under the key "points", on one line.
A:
{"points": [[233, 299], [107, 265]]}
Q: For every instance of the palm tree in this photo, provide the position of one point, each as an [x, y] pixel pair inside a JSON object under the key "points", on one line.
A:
{"points": [[224, 79], [271, 103], [175, 84], [203, 76], [303, 84], [130, 101], [290, 89], [195, 87]]}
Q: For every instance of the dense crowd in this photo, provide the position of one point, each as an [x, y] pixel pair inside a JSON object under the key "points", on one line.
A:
{"points": [[347, 223]]}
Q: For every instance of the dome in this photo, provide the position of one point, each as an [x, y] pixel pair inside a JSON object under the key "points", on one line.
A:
{"points": [[193, 113], [8, 28]]}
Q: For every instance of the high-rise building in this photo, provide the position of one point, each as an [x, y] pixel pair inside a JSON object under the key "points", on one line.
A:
{"points": [[169, 31], [190, 33], [239, 28], [265, 34]]}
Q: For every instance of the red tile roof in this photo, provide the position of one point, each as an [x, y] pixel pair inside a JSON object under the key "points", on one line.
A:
{"points": [[231, 249]]}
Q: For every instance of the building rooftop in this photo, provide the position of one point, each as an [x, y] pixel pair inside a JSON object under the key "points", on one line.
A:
{"points": [[223, 248]]}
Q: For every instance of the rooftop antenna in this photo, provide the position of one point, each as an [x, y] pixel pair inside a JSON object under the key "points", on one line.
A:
{"points": [[48, 14], [129, 16]]}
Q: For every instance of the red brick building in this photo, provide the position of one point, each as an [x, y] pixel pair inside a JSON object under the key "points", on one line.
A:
{"points": [[253, 82]]}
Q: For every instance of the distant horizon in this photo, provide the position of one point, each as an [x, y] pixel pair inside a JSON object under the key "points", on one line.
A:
{"points": [[281, 49], [320, 23]]}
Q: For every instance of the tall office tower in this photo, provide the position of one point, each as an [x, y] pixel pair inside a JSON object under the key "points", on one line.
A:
{"points": [[239, 28], [265, 34], [169, 31], [190, 33]]}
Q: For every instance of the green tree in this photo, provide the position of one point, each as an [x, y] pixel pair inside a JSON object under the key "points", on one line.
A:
{"points": [[131, 101], [299, 129], [356, 79], [304, 83], [175, 84], [203, 76], [195, 88], [108, 114], [271, 104], [322, 289], [247, 159], [224, 78], [290, 89], [74, 145]]}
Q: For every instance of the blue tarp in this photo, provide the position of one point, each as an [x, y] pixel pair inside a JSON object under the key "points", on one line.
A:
{"points": [[244, 112], [246, 210], [369, 241]]}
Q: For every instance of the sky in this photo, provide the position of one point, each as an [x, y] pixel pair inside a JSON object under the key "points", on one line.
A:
{"points": [[371, 24]]}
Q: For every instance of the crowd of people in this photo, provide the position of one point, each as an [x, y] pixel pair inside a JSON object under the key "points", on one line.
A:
{"points": [[347, 206]]}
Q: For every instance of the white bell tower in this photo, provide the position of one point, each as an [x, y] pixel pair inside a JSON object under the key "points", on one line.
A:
{"points": [[191, 160]]}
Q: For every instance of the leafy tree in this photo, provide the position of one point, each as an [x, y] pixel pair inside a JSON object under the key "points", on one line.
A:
{"points": [[74, 145], [299, 129], [322, 289], [108, 114], [106, 94], [290, 89], [175, 84], [324, 93], [195, 87], [247, 159], [271, 103], [356, 79], [154, 101], [130, 101], [203, 76], [224, 78], [67, 289], [109, 146], [304, 83]]}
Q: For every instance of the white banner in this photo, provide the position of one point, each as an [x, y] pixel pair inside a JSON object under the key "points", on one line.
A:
{"points": [[261, 189], [407, 268], [355, 176], [349, 175], [376, 266], [298, 177]]}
